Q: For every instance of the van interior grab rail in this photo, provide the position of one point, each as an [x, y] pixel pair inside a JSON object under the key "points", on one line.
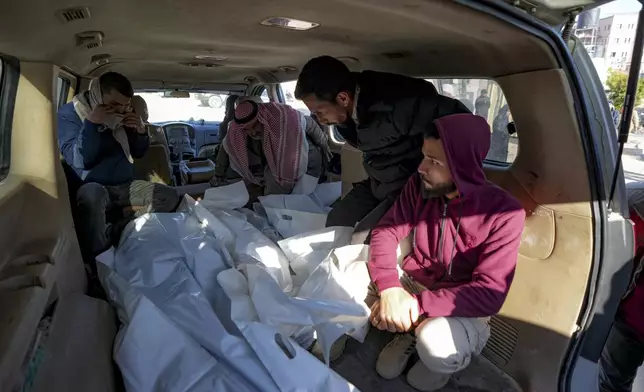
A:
{"points": [[629, 99]]}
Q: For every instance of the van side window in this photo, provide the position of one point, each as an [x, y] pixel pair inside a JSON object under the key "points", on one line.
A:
{"points": [[62, 90], [265, 98], [288, 92], [485, 98], [4, 157], [9, 73]]}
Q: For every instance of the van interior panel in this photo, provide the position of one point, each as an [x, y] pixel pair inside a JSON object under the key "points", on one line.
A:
{"points": [[155, 46]]}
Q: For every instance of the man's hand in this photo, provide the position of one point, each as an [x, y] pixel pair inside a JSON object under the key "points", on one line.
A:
{"points": [[218, 181], [135, 122], [100, 114], [396, 311]]}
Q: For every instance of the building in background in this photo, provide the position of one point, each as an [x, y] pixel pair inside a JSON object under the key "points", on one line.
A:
{"points": [[614, 40], [586, 30]]}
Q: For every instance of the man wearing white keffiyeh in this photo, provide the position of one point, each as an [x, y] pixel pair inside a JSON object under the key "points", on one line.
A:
{"points": [[99, 137]]}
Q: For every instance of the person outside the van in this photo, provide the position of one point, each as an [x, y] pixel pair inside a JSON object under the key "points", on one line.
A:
{"points": [[222, 163], [623, 351], [384, 116], [500, 135], [482, 104], [99, 137], [273, 146], [466, 234], [228, 117], [635, 122]]}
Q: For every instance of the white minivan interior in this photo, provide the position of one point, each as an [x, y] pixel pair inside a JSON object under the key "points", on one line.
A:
{"points": [[56, 337]]}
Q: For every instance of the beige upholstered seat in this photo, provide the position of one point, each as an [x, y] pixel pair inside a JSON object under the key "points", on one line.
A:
{"points": [[352, 169], [155, 165]]}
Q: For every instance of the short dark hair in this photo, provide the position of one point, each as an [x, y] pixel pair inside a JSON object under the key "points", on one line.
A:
{"points": [[431, 132], [115, 81], [325, 77]]}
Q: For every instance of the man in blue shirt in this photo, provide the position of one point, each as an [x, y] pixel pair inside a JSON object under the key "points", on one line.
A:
{"points": [[99, 137]]}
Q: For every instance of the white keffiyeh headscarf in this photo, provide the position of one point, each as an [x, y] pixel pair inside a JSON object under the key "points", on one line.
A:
{"points": [[86, 101]]}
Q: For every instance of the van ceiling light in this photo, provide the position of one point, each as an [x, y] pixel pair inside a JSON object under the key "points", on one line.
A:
{"points": [[204, 65], [348, 59], [287, 68], [210, 57], [100, 59], [289, 23]]}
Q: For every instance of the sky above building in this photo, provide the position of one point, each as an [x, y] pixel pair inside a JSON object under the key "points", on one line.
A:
{"points": [[619, 6]]}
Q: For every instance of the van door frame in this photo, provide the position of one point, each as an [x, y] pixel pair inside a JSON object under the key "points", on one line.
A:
{"points": [[603, 232], [72, 86]]}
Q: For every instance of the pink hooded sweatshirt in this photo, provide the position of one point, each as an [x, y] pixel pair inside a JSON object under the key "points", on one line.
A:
{"points": [[464, 250]]}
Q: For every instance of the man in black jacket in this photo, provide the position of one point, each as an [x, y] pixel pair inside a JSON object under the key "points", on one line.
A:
{"points": [[384, 116]]}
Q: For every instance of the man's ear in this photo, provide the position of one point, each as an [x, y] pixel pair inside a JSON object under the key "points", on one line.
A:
{"points": [[343, 99]]}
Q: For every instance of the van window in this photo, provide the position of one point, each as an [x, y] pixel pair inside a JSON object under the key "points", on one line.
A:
{"points": [[9, 72], [62, 90], [288, 92], [265, 98], [492, 106], [4, 164], [485, 98]]}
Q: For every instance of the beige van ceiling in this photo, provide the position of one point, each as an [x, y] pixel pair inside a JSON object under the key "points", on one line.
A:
{"points": [[150, 40]]}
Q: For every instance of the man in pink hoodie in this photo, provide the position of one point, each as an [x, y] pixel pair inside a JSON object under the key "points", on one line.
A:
{"points": [[466, 234]]}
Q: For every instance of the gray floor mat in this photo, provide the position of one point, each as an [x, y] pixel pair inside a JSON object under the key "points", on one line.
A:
{"points": [[358, 363]]}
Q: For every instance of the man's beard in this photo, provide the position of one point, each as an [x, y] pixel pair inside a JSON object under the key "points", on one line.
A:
{"points": [[437, 191]]}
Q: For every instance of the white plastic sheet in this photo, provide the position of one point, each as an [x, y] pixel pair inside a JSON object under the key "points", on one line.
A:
{"points": [[295, 214], [257, 304], [230, 196], [326, 194], [178, 333], [305, 185], [306, 251], [243, 240], [261, 223], [321, 302]]}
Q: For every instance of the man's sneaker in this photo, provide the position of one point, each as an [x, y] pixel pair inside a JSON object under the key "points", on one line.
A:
{"points": [[337, 348], [394, 357], [423, 379]]}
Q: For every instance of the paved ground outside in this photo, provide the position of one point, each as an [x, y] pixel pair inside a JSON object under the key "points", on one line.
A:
{"points": [[634, 161]]}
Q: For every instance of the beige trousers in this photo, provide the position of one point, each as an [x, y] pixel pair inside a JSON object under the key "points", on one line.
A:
{"points": [[444, 344]]}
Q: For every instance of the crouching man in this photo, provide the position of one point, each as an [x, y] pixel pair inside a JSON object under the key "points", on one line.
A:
{"points": [[466, 234]]}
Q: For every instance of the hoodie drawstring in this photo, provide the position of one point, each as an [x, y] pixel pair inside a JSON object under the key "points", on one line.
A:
{"points": [[448, 269], [458, 227], [442, 242]]}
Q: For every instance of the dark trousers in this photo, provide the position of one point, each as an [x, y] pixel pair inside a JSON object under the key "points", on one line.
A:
{"points": [[360, 209], [96, 231], [622, 355]]}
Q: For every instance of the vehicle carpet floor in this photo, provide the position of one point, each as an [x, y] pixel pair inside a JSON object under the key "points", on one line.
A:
{"points": [[358, 363]]}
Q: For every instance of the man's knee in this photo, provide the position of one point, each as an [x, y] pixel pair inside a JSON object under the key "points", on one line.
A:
{"points": [[92, 194], [165, 199], [446, 344]]}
